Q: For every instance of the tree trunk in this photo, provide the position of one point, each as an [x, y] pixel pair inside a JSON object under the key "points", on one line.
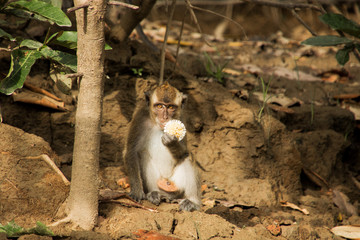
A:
{"points": [[82, 204], [131, 18]]}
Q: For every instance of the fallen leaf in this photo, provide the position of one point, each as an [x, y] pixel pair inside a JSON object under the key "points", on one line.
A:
{"points": [[347, 231], [123, 182], [167, 185], [347, 96], [274, 229], [151, 235], [331, 78], [204, 187], [281, 109], [27, 96], [293, 206]]}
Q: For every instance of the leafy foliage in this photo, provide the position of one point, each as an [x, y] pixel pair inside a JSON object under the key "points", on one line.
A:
{"points": [[13, 230], [27, 51], [339, 23]]}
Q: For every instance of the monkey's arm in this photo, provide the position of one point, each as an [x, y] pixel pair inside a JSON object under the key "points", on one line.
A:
{"points": [[132, 160], [177, 149], [133, 157]]}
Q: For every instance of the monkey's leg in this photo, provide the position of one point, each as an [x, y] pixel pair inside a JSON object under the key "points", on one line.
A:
{"points": [[186, 177]]}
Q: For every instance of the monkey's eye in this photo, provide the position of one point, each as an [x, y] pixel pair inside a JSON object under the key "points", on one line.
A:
{"points": [[172, 107], [159, 106]]}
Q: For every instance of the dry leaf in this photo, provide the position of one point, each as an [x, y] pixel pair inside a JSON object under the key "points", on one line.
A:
{"points": [[293, 206], [27, 96], [123, 182], [274, 229], [347, 96], [167, 185], [347, 231], [151, 235]]}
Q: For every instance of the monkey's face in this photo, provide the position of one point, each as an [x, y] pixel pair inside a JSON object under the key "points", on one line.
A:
{"points": [[164, 112], [165, 104]]}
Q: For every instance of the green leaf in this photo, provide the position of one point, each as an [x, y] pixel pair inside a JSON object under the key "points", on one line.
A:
{"points": [[12, 229], [326, 41], [342, 56], [4, 34], [68, 39], [45, 10], [41, 229], [32, 44], [339, 22], [21, 63], [65, 59]]}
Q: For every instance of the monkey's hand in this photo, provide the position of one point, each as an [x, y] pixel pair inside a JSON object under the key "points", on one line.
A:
{"points": [[169, 140], [137, 194], [177, 149]]}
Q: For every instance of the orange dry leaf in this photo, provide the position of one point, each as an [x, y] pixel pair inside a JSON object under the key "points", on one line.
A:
{"points": [[123, 182], [167, 185], [142, 234], [274, 229], [203, 187]]}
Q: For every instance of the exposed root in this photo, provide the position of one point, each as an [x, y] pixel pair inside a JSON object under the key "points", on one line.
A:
{"points": [[51, 163]]}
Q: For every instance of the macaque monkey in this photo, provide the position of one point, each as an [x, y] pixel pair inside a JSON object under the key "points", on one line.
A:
{"points": [[151, 154]]}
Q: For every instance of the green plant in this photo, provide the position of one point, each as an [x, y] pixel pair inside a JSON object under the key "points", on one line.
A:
{"points": [[25, 52], [343, 25], [13, 230], [137, 71], [213, 70], [265, 98]]}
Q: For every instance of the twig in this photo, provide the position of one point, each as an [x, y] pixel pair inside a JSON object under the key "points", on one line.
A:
{"points": [[134, 204], [220, 15], [85, 5], [47, 159], [163, 49], [302, 22], [289, 5], [190, 7], [74, 75], [179, 41], [116, 3]]}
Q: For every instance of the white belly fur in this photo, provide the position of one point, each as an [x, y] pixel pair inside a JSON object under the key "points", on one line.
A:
{"points": [[160, 161]]}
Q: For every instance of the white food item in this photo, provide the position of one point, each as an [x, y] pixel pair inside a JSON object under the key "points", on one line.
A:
{"points": [[175, 128]]}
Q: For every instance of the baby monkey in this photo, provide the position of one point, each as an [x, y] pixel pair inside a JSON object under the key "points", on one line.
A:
{"points": [[152, 155]]}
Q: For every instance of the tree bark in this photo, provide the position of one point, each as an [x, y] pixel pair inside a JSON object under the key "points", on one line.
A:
{"points": [[82, 206]]}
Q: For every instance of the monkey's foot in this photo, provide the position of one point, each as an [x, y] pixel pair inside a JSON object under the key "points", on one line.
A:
{"points": [[154, 197], [188, 205], [137, 196]]}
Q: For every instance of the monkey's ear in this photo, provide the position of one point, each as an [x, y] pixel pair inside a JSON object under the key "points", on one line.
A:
{"points": [[184, 99]]}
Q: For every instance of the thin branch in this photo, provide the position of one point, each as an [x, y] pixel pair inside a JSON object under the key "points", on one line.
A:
{"points": [[163, 49], [85, 5], [220, 15], [116, 3], [190, 7], [289, 5], [133, 204], [178, 44], [303, 22]]}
